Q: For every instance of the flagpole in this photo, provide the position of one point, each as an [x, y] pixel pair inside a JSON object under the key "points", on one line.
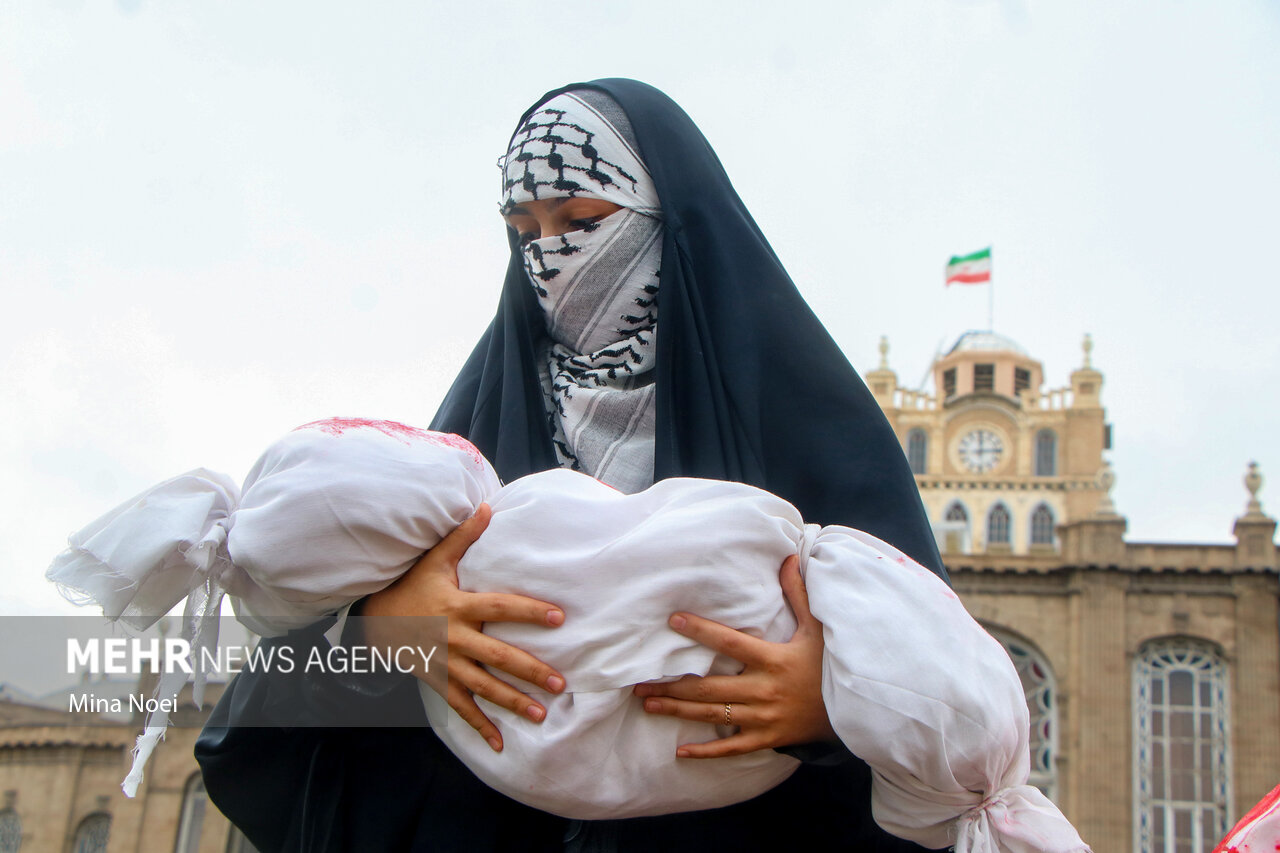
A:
{"points": [[991, 301]]}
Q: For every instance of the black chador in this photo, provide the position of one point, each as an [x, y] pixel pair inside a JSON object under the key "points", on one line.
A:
{"points": [[750, 387]]}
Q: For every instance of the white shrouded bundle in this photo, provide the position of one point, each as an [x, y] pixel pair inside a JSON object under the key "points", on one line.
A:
{"points": [[331, 512], [334, 512]]}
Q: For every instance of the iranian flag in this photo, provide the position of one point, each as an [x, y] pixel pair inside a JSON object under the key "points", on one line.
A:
{"points": [[970, 269]]}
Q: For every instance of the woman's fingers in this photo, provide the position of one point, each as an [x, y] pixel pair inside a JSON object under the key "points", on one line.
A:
{"points": [[449, 550], [793, 587], [505, 607], [422, 589], [461, 700], [737, 714], [487, 686], [777, 698], [737, 645], [511, 660], [739, 744], [711, 688], [430, 588]]}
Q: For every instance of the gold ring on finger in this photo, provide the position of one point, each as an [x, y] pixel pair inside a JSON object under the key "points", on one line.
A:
{"points": [[728, 714]]}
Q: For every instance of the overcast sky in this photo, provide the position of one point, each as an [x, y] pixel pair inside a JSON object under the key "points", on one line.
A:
{"points": [[222, 220]]}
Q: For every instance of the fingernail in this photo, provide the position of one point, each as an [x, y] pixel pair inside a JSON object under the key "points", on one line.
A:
{"points": [[535, 713], [555, 617], [555, 684], [652, 705], [677, 621], [496, 744], [682, 753]]}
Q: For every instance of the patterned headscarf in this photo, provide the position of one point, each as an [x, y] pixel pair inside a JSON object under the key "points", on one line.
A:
{"points": [[598, 287]]}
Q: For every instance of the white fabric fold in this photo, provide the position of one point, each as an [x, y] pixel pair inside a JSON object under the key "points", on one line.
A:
{"points": [[143, 557]]}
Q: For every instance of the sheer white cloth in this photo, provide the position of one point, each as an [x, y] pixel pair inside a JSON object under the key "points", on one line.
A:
{"points": [[912, 684]]}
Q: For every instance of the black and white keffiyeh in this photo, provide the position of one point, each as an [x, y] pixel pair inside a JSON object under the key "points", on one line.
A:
{"points": [[598, 287]]}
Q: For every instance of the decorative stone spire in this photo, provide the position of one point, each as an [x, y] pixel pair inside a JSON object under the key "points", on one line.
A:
{"points": [[1086, 381], [1253, 482], [1098, 539], [1255, 531], [882, 381]]}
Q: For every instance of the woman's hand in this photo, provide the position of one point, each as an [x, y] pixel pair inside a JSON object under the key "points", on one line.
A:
{"points": [[430, 588], [775, 701]]}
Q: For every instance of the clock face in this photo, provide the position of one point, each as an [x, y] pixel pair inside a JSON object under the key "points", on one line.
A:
{"points": [[981, 450]]}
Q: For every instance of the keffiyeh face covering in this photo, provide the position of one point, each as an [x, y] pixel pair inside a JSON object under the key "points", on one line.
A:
{"points": [[598, 287]]}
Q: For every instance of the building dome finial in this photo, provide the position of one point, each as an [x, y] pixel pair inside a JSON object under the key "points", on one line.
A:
{"points": [[884, 352], [1253, 482], [1087, 346]]}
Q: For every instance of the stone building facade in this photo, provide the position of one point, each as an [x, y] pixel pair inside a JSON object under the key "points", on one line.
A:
{"points": [[60, 784], [1152, 670]]}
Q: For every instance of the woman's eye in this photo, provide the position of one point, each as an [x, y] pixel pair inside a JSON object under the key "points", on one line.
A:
{"points": [[587, 224]]}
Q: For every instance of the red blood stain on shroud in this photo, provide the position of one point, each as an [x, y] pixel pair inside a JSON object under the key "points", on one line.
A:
{"points": [[394, 429]]}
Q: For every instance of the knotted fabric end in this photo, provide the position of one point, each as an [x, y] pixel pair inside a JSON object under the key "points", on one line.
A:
{"points": [[1017, 819], [805, 548]]}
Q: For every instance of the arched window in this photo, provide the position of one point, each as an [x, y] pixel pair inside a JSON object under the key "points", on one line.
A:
{"points": [[1041, 689], [92, 834], [10, 831], [954, 530], [1046, 453], [917, 450], [1182, 778], [998, 525], [194, 801], [1042, 525]]}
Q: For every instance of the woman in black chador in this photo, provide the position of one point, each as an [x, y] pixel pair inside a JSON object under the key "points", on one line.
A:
{"points": [[645, 330]]}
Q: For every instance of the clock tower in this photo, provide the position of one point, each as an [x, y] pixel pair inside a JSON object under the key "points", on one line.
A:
{"points": [[1000, 460]]}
